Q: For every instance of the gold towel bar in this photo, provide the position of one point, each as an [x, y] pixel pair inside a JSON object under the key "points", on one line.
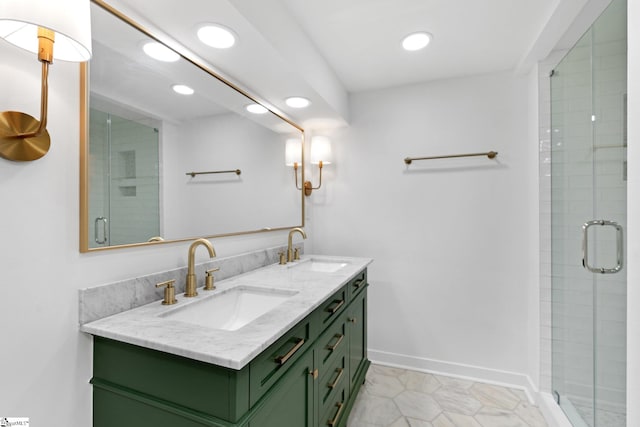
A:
{"points": [[490, 154], [236, 171]]}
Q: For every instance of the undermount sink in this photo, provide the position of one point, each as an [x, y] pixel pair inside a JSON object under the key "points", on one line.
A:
{"points": [[231, 309], [320, 265]]}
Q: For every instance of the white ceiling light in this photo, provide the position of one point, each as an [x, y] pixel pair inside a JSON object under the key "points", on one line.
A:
{"points": [[217, 36], [160, 52], [183, 89], [416, 41], [256, 109], [297, 102]]}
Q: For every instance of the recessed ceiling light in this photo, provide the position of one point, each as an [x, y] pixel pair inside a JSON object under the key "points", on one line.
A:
{"points": [[416, 41], [297, 102], [217, 36], [160, 52], [183, 89], [256, 109]]}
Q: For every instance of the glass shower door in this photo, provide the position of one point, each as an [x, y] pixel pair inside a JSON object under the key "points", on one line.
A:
{"points": [[124, 203], [588, 207]]}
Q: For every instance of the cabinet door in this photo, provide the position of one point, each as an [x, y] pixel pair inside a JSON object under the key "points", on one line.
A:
{"points": [[357, 323], [290, 403]]}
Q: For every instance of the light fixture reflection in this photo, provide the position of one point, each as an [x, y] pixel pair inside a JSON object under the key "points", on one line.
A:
{"points": [[320, 155]]}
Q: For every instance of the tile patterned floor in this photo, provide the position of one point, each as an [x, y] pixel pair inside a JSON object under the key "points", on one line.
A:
{"points": [[392, 397]]}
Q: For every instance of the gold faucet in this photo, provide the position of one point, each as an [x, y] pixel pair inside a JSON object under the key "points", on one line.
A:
{"points": [[190, 288], [290, 244]]}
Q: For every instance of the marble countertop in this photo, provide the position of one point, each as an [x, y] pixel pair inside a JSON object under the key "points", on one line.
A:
{"points": [[144, 326]]}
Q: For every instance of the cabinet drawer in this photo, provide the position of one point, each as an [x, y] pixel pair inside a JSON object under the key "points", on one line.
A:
{"points": [[272, 363], [332, 308], [331, 344], [357, 284], [335, 412], [332, 380]]}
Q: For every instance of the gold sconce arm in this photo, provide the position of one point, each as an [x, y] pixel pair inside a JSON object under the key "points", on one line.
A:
{"points": [[308, 187], [23, 137]]}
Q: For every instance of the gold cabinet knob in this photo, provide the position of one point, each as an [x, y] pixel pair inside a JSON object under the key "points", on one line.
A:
{"points": [[208, 282], [169, 292]]}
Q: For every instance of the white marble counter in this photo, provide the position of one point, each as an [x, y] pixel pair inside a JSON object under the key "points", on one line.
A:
{"points": [[144, 326]]}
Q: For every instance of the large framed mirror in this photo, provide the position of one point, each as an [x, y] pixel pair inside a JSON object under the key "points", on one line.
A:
{"points": [[159, 166]]}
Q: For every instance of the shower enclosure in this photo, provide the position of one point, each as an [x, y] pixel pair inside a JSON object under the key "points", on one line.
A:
{"points": [[588, 205], [124, 202]]}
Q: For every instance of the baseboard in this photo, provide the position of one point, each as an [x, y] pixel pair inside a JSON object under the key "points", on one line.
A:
{"points": [[457, 370]]}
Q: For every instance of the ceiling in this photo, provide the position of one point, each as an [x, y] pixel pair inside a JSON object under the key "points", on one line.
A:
{"points": [[326, 49]]}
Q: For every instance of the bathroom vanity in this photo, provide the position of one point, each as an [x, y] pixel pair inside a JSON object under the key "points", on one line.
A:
{"points": [[300, 361]]}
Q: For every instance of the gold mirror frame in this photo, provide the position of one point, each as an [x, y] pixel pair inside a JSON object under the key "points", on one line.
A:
{"points": [[84, 147]]}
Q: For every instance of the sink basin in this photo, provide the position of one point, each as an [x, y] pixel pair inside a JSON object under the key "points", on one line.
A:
{"points": [[320, 265], [231, 309]]}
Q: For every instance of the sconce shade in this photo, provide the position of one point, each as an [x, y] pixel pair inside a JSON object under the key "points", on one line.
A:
{"points": [[69, 19], [293, 152], [38, 25], [320, 150]]}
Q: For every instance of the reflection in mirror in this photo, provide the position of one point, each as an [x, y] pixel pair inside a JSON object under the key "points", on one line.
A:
{"points": [[143, 140]]}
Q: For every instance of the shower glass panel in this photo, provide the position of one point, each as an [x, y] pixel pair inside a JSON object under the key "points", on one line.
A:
{"points": [[125, 197], [588, 205]]}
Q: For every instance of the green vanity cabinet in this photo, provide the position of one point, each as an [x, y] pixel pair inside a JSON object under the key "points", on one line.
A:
{"points": [[357, 333], [291, 403], [308, 378]]}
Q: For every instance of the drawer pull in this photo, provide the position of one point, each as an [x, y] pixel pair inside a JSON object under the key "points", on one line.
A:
{"points": [[281, 360], [335, 419], [335, 308], [353, 319], [335, 382], [359, 283], [333, 347]]}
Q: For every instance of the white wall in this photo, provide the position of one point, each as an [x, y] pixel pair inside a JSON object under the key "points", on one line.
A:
{"points": [[218, 203], [46, 362], [455, 241], [633, 212]]}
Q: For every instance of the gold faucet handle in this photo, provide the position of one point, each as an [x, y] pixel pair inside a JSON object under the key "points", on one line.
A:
{"points": [[169, 292], [296, 253], [283, 259], [208, 282]]}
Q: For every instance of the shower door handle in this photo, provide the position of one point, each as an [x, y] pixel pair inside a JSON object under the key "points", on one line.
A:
{"points": [[585, 246], [102, 220]]}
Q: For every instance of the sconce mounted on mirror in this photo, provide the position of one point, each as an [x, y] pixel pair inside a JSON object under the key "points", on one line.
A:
{"points": [[320, 155], [35, 25]]}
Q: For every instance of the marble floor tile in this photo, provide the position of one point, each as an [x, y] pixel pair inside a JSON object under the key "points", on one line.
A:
{"points": [[374, 411], [494, 417], [494, 396], [417, 405], [383, 385], [418, 423], [531, 414], [450, 419], [419, 381], [457, 400], [393, 397]]}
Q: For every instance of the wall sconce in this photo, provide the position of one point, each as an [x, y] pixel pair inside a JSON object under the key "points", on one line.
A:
{"points": [[320, 155], [35, 25]]}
